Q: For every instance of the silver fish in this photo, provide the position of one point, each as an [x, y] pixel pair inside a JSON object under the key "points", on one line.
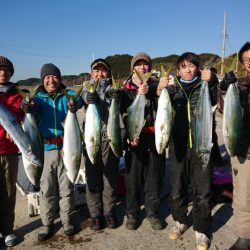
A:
{"points": [[32, 164], [163, 121], [92, 129], [113, 127], [203, 126], [232, 119], [135, 119], [72, 146]]}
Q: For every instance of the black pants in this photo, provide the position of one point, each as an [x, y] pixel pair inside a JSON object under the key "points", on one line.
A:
{"points": [[144, 168], [8, 177], [181, 172], [102, 181]]}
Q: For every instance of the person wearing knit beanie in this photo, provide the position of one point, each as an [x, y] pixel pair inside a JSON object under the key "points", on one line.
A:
{"points": [[51, 78], [4, 61], [10, 101], [50, 69], [141, 56]]}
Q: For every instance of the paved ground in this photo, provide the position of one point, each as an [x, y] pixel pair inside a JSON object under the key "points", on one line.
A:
{"points": [[143, 238]]}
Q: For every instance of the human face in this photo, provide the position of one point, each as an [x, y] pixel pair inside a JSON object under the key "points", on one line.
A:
{"points": [[246, 61], [5, 74], [99, 72], [51, 83], [187, 70], [141, 66]]}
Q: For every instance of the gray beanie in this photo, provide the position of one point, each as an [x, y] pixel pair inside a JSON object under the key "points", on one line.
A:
{"points": [[141, 56], [50, 69], [4, 61]]}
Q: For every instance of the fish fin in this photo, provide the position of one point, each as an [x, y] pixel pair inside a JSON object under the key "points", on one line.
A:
{"points": [[116, 84], [166, 73], [91, 87], [143, 78]]}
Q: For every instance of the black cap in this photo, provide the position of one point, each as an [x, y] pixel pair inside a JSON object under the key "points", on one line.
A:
{"points": [[50, 69]]}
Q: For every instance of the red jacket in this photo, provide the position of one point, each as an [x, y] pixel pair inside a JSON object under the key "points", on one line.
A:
{"points": [[12, 101]]}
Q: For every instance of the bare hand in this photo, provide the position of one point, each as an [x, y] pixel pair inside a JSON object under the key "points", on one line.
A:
{"points": [[8, 137], [206, 75], [143, 89], [134, 142]]}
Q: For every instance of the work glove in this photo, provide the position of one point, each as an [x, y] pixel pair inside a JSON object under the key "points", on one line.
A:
{"points": [[28, 106], [228, 79], [115, 94], [92, 97], [72, 106]]}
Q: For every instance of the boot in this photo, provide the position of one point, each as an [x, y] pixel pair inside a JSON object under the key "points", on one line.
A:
{"points": [[241, 244], [45, 232], [132, 222], [155, 223]]}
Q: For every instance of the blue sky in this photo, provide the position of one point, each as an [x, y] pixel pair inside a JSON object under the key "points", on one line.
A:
{"points": [[67, 32]]}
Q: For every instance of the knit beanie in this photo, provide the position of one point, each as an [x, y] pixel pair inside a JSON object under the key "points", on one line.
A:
{"points": [[100, 61], [141, 56], [50, 69], [6, 62]]}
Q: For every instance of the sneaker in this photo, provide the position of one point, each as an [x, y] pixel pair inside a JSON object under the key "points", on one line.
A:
{"points": [[45, 232], [10, 240], [132, 222], [96, 223], [202, 241], [155, 223], [177, 230], [111, 221], [69, 229]]}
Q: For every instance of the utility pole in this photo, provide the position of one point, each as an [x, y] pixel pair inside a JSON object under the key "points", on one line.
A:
{"points": [[93, 55], [223, 45]]}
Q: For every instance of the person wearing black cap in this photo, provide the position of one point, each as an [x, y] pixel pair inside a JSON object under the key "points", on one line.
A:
{"points": [[56, 191], [144, 166], [102, 176], [10, 98]]}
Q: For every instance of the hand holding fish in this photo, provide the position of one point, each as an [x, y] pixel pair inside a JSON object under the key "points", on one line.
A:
{"points": [[8, 136], [72, 106], [27, 106], [134, 142], [143, 89], [206, 75], [164, 82]]}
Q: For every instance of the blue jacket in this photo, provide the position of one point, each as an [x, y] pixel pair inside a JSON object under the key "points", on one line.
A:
{"points": [[51, 113]]}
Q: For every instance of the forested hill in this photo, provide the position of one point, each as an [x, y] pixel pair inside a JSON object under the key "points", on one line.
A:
{"points": [[120, 65]]}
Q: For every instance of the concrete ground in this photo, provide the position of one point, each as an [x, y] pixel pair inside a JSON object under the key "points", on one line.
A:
{"points": [[26, 228]]}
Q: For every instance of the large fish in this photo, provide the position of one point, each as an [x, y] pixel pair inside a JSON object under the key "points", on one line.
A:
{"points": [[113, 127], [72, 142], [92, 128], [163, 121], [164, 118], [203, 126], [32, 164], [232, 119], [135, 118]]}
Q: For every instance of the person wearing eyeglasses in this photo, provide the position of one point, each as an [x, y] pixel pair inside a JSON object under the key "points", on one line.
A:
{"points": [[241, 162]]}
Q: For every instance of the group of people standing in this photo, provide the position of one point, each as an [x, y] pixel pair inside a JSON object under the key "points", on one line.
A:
{"points": [[144, 166]]}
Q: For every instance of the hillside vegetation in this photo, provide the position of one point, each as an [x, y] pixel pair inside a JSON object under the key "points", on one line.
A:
{"points": [[120, 65]]}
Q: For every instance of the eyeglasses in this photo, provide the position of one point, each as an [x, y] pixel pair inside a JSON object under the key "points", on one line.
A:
{"points": [[246, 60]]}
